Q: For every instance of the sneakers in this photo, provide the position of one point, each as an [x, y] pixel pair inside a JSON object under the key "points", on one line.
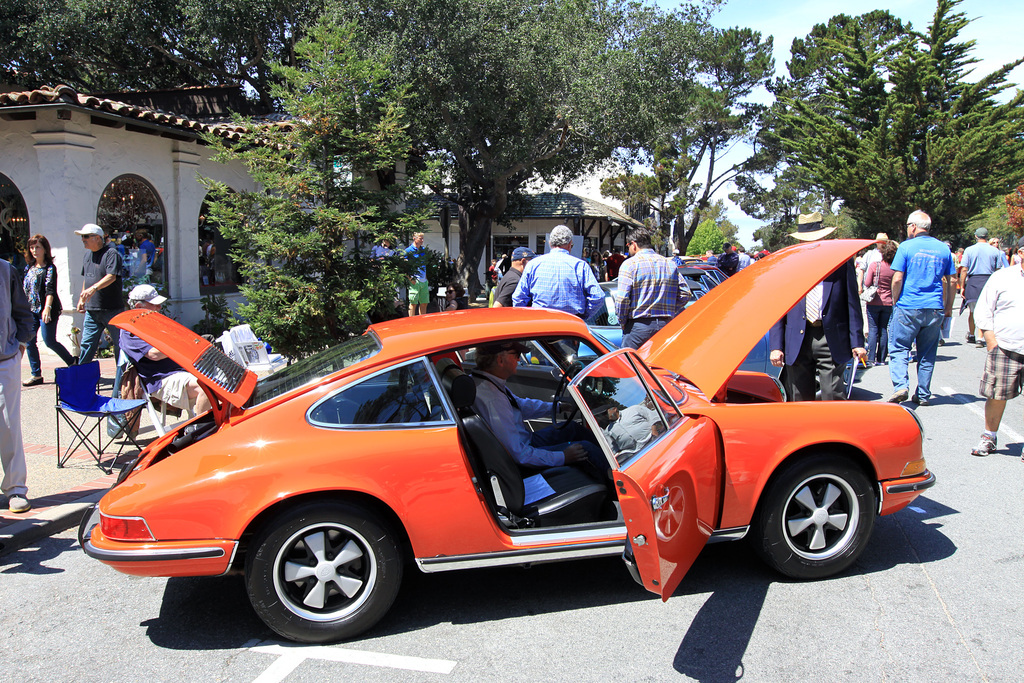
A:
{"points": [[18, 503], [982, 344], [35, 381], [898, 396], [971, 339], [987, 446], [921, 400]]}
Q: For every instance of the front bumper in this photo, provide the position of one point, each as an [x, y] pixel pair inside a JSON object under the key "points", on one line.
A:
{"points": [[204, 557], [898, 493]]}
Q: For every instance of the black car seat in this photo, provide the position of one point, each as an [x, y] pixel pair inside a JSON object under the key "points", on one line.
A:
{"points": [[577, 497]]}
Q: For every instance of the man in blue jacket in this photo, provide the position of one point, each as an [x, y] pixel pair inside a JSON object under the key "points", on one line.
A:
{"points": [[819, 336]]}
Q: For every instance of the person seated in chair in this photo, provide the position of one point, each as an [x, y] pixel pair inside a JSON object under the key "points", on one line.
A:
{"points": [[505, 413], [163, 378]]}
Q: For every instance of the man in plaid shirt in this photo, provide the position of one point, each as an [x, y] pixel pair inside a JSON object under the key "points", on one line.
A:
{"points": [[651, 291], [559, 280]]}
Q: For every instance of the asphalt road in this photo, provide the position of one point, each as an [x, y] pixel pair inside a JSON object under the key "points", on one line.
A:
{"points": [[935, 597]]}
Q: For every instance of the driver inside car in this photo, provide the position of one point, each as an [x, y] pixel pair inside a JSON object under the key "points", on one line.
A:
{"points": [[505, 413]]}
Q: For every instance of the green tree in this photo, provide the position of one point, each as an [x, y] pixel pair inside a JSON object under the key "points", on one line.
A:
{"points": [[884, 121], [105, 45], [302, 239], [507, 92], [707, 237], [686, 158]]}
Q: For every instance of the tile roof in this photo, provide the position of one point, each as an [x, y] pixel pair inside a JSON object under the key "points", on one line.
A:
{"points": [[67, 95], [547, 205], [568, 205]]}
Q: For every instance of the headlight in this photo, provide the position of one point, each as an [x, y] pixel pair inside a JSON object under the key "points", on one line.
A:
{"points": [[917, 419]]}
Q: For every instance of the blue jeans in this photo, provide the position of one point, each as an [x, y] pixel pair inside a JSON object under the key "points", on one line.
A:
{"points": [[558, 439], [50, 339], [92, 331], [907, 326], [878, 332], [636, 332]]}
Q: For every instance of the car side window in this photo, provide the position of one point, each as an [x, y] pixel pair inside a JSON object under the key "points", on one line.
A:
{"points": [[401, 395]]}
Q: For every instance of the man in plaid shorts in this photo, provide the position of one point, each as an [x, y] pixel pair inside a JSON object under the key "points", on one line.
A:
{"points": [[999, 315]]}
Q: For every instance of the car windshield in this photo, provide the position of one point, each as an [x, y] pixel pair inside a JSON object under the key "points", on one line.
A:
{"points": [[316, 367]]}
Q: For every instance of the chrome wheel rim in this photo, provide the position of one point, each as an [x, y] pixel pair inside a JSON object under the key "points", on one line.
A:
{"points": [[820, 517], [325, 571]]}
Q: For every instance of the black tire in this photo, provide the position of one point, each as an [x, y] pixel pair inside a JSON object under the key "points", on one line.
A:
{"points": [[323, 571], [815, 517]]}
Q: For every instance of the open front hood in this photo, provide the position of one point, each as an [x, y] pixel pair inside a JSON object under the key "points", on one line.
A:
{"points": [[708, 341], [228, 380]]}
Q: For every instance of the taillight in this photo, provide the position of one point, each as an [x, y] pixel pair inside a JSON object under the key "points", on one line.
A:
{"points": [[125, 528]]}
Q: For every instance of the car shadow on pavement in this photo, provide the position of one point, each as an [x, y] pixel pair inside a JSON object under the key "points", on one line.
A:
{"points": [[716, 641], [205, 613], [483, 595]]}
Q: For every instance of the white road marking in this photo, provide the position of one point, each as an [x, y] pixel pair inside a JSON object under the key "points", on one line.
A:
{"points": [[918, 510], [980, 412], [290, 656]]}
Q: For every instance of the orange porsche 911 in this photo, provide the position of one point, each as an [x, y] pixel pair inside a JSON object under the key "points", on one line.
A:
{"points": [[328, 479]]}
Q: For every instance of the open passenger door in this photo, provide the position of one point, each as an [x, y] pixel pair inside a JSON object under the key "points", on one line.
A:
{"points": [[665, 465]]}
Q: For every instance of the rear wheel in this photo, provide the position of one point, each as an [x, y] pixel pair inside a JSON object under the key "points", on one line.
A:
{"points": [[815, 517], [323, 572]]}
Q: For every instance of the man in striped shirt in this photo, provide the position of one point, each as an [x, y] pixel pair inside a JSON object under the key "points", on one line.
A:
{"points": [[651, 291], [559, 280]]}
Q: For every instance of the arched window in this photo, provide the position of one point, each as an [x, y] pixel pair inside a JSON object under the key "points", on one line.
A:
{"points": [[218, 271], [13, 223], [133, 216]]}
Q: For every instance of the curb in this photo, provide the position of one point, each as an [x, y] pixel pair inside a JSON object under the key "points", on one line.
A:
{"points": [[48, 522]]}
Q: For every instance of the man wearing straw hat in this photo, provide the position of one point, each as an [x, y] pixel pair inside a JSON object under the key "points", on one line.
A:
{"points": [[819, 336]]}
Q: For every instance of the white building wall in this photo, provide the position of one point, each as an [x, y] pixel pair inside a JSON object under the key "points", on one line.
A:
{"points": [[61, 168]]}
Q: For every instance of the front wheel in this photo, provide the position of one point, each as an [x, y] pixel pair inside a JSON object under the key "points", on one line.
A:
{"points": [[323, 572], [815, 518]]}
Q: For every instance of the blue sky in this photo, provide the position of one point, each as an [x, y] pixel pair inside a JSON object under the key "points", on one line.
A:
{"points": [[996, 29]]}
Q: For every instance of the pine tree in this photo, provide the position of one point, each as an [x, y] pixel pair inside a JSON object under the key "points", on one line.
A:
{"points": [[888, 124], [303, 240]]}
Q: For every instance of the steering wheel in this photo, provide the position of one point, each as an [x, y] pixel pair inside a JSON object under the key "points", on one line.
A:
{"points": [[563, 384]]}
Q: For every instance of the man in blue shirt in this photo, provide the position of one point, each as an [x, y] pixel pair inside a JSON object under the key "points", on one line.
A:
{"points": [[559, 280], [419, 289], [922, 289]]}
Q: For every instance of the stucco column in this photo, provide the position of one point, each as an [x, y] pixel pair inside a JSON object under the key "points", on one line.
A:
{"points": [[184, 229]]}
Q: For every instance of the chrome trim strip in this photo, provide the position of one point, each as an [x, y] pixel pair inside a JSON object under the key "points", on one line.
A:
{"points": [[732, 534], [547, 538], [429, 565], [151, 555], [910, 488]]}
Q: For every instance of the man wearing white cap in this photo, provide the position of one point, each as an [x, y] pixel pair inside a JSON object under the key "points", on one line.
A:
{"points": [[100, 299], [164, 379], [819, 336]]}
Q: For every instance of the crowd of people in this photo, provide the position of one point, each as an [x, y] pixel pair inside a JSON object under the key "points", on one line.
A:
{"points": [[31, 303], [907, 290]]}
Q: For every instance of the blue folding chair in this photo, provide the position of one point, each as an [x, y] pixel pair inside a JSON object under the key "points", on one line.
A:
{"points": [[77, 395]]}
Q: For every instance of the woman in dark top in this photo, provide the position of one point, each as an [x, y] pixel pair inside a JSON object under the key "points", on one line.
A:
{"points": [[40, 285], [879, 309]]}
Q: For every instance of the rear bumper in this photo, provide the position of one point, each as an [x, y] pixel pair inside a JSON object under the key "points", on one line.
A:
{"points": [[898, 493], [204, 557]]}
